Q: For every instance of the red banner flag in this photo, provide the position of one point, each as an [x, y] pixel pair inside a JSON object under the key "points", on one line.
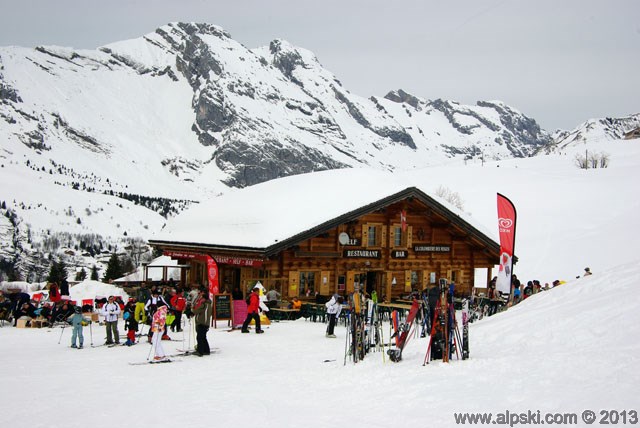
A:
{"points": [[212, 271], [507, 229]]}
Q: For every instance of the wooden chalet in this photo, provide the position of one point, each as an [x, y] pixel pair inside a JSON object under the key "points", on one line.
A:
{"points": [[393, 242], [632, 134]]}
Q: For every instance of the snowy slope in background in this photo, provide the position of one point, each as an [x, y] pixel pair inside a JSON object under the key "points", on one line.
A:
{"points": [[562, 351]]}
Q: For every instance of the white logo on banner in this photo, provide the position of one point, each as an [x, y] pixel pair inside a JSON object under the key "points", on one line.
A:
{"points": [[505, 224]]}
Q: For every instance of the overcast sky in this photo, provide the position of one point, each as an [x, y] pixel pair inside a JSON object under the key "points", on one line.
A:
{"points": [[560, 62]]}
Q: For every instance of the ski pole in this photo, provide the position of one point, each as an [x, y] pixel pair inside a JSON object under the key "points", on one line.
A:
{"points": [[346, 343], [150, 349], [63, 326], [91, 333]]}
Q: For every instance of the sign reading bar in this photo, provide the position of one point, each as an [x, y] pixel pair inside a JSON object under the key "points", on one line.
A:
{"points": [[399, 254], [432, 248], [361, 254], [237, 261]]}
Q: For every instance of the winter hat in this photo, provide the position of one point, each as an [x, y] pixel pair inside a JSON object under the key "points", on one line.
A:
{"points": [[587, 269], [77, 309]]}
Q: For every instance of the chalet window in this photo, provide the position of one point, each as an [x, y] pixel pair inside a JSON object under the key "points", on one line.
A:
{"points": [[307, 281], [398, 238], [415, 280], [373, 235]]}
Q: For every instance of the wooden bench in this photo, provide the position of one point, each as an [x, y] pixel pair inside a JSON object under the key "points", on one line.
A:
{"points": [[39, 322]]}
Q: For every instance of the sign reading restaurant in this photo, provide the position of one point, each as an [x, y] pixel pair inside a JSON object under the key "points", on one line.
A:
{"points": [[432, 248], [361, 254]]}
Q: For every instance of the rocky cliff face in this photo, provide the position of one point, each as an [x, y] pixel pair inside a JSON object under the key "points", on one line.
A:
{"points": [[257, 114]]}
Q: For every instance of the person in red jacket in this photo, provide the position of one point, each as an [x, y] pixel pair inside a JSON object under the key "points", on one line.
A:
{"points": [[253, 311], [178, 305]]}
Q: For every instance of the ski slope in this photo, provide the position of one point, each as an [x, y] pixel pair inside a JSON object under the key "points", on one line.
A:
{"points": [[565, 350]]}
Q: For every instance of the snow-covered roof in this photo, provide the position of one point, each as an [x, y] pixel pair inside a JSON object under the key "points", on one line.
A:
{"points": [[264, 215], [153, 274]]}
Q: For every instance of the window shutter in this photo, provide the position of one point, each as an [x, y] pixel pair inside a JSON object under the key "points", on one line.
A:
{"points": [[392, 236], [383, 236], [365, 235], [407, 280], [425, 279], [409, 237], [351, 277], [294, 276], [325, 275]]}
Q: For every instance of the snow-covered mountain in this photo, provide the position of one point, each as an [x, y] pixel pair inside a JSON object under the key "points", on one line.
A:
{"points": [[594, 130], [102, 145]]}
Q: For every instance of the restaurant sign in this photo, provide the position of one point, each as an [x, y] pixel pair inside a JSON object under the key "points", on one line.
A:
{"points": [[361, 254], [432, 248], [219, 258]]}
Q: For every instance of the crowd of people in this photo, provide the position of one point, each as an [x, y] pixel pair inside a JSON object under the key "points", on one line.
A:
{"points": [[161, 307]]}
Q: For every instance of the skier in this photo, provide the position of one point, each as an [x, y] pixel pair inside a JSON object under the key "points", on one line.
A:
{"points": [[253, 311], [178, 305], [334, 306], [142, 296], [153, 304], [110, 311], [157, 328], [78, 322], [201, 310], [130, 323]]}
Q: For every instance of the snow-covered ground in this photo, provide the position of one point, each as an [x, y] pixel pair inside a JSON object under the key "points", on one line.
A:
{"points": [[565, 350]]}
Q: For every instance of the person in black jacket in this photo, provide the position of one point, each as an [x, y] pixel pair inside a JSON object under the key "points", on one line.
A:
{"points": [[5, 307], [25, 310], [64, 287], [61, 312], [130, 323], [201, 311]]}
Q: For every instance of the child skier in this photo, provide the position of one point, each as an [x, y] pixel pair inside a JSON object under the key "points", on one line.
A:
{"points": [[78, 321], [130, 322], [157, 328]]}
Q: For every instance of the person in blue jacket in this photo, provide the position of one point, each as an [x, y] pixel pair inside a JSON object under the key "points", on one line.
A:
{"points": [[78, 322]]}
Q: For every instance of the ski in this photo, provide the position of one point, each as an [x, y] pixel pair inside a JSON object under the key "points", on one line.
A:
{"points": [[193, 350], [141, 363], [403, 332], [465, 329]]}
